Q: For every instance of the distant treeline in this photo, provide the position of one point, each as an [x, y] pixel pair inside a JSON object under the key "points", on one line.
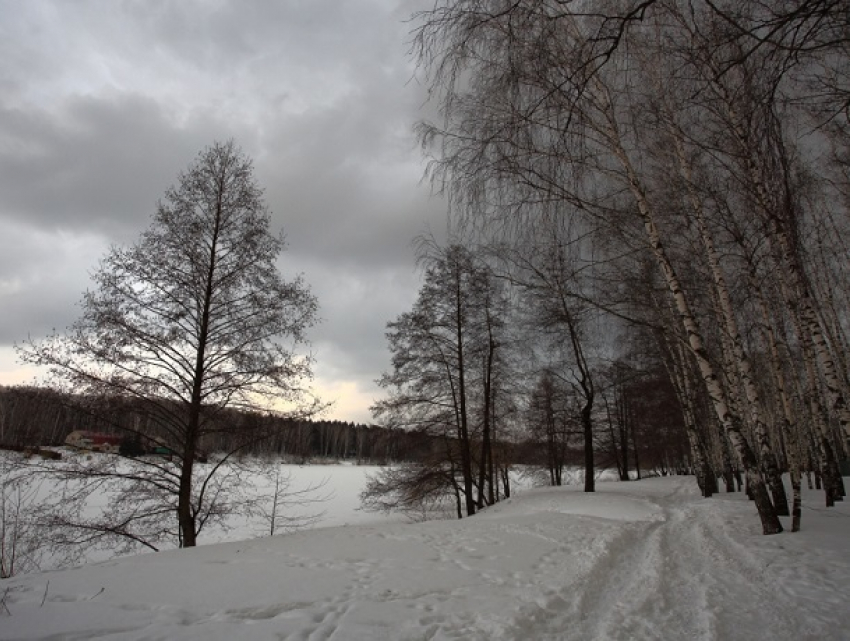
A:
{"points": [[33, 417], [37, 416]]}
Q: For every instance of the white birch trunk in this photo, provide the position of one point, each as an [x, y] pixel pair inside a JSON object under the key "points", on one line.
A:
{"points": [[767, 513], [798, 295], [676, 365], [738, 353], [812, 398], [790, 424]]}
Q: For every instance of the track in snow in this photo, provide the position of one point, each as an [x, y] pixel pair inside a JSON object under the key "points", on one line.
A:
{"points": [[682, 573], [637, 561]]}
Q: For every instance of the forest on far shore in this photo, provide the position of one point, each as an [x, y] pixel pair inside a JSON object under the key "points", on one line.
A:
{"points": [[32, 417]]}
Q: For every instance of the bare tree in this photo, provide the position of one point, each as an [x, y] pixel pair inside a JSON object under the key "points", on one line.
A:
{"points": [[22, 545], [444, 374], [192, 319], [282, 507], [549, 424], [535, 126], [548, 272]]}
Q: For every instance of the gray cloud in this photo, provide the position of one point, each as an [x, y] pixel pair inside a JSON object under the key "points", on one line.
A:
{"points": [[102, 104], [42, 276], [100, 164]]}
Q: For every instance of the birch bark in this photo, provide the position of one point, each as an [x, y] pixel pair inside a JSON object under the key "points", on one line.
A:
{"points": [[716, 392], [738, 353]]}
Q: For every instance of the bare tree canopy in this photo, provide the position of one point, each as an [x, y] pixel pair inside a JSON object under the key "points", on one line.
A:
{"points": [[710, 137], [192, 319]]}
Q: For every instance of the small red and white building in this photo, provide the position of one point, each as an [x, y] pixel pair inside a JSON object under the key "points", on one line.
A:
{"points": [[95, 441]]}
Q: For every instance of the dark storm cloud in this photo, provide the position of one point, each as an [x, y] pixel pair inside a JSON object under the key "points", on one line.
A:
{"points": [[97, 164], [103, 103]]}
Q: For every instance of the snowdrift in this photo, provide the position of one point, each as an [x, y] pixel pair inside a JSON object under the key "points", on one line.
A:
{"points": [[639, 560]]}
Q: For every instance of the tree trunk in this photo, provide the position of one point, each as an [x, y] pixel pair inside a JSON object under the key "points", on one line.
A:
{"points": [[486, 454], [777, 211], [635, 451], [789, 425], [740, 356], [465, 451], [767, 513], [587, 426], [492, 484], [615, 448], [624, 424]]}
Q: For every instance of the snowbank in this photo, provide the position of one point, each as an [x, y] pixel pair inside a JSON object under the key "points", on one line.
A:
{"points": [[640, 560]]}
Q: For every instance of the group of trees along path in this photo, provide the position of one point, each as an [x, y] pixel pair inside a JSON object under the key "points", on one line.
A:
{"points": [[496, 364], [654, 180]]}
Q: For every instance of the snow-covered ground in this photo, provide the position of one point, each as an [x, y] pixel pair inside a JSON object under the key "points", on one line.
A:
{"points": [[640, 560]]}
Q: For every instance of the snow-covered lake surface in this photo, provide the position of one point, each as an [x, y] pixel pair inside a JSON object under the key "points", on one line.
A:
{"points": [[639, 560]]}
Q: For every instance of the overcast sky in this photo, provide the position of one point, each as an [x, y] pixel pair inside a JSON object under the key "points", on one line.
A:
{"points": [[102, 103]]}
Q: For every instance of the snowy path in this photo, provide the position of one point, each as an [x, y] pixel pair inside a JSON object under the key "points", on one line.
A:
{"points": [[646, 560], [682, 573]]}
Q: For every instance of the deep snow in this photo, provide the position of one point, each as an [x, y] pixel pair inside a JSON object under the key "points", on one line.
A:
{"points": [[639, 560]]}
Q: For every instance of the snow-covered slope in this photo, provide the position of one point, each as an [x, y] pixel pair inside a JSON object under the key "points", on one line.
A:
{"points": [[640, 560]]}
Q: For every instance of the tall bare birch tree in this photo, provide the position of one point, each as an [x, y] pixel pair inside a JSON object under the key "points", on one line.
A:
{"points": [[534, 121]]}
